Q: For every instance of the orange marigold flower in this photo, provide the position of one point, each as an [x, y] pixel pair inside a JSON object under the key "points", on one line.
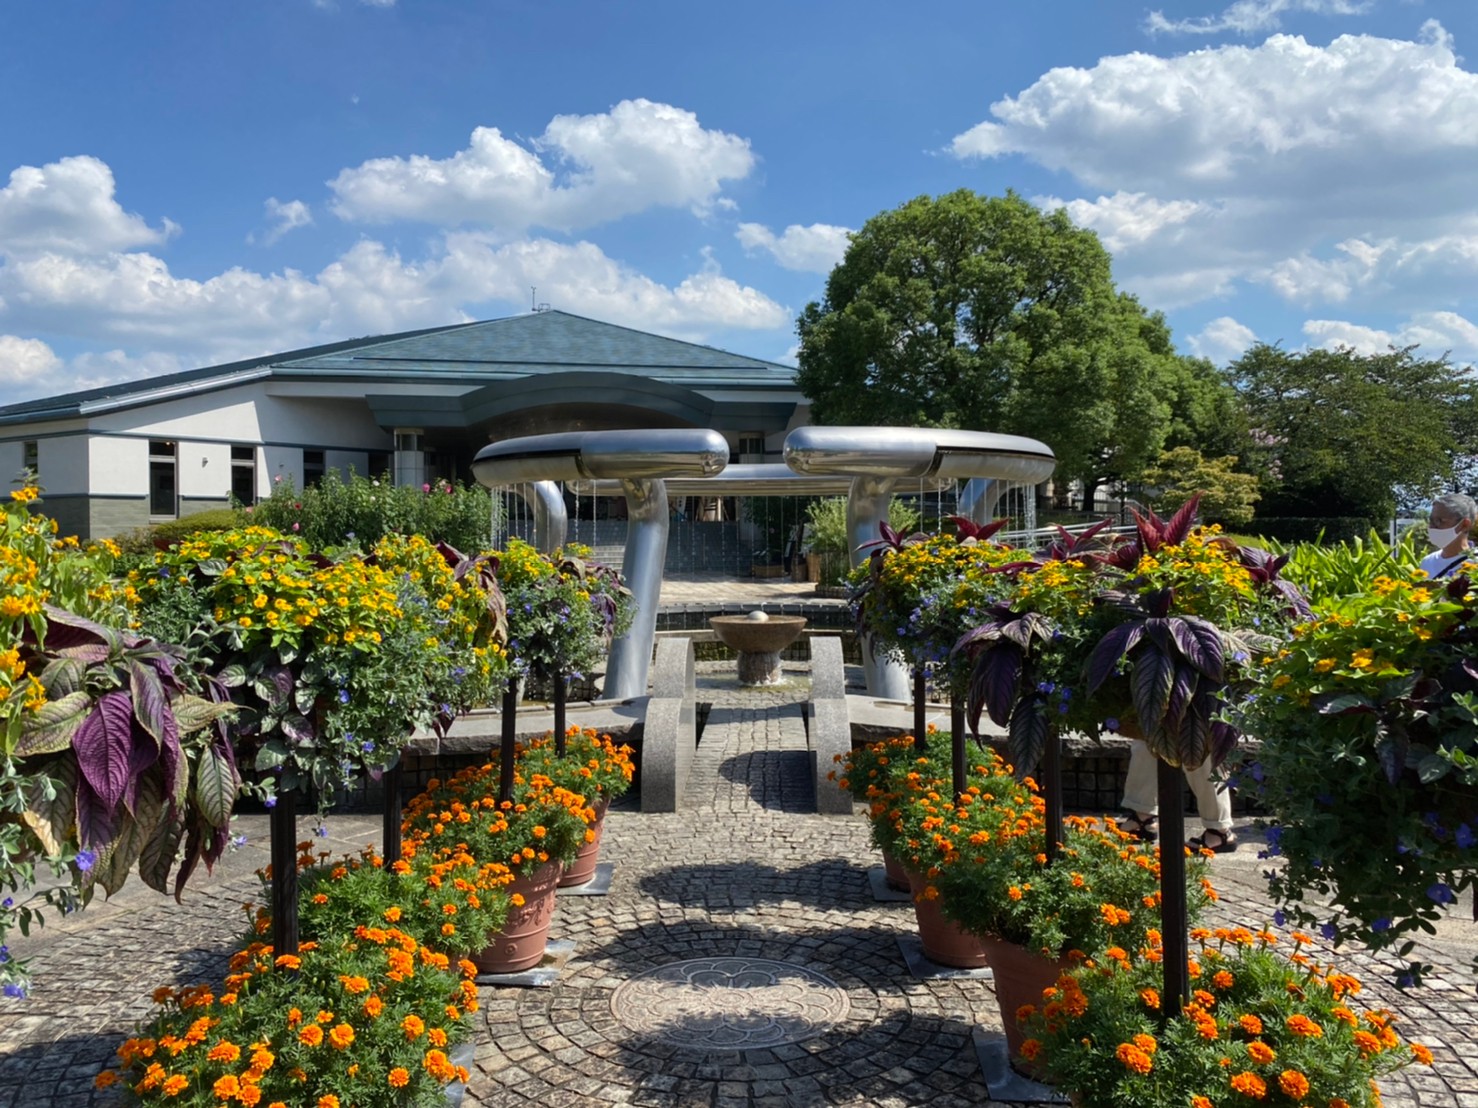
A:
{"points": [[1260, 1052], [226, 1087], [105, 1079], [1367, 1043], [1030, 1049], [311, 1035], [1250, 1085], [1146, 1043], [341, 1036], [1250, 1024], [1304, 1027], [1421, 1054], [1223, 979], [1201, 1102], [1150, 997], [175, 1085], [1134, 1059], [373, 1007], [392, 914], [413, 1026], [1293, 1084], [399, 1077], [328, 1100]]}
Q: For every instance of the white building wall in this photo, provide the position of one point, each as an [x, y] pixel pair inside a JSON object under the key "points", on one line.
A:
{"points": [[204, 470], [62, 464], [118, 467], [11, 458]]}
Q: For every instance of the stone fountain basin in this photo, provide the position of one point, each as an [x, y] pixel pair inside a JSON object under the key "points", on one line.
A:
{"points": [[751, 636]]}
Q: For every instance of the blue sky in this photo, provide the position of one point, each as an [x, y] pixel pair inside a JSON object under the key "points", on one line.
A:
{"points": [[186, 183]]}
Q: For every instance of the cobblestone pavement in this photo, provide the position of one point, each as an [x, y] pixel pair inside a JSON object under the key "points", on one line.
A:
{"points": [[747, 886]]}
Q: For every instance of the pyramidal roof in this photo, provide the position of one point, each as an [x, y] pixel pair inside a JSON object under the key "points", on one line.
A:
{"points": [[516, 346]]}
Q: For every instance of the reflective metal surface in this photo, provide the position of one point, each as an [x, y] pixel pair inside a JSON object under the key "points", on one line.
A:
{"points": [[573, 455], [770, 479], [551, 521], [642, 565], [917, 452]]}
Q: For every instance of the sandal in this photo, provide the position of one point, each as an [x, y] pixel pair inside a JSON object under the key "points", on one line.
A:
{"points": [[1140, 829], [1217, 842]]}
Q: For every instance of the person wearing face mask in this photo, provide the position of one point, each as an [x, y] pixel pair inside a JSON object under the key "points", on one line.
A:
{"points": [[1449, 530]]}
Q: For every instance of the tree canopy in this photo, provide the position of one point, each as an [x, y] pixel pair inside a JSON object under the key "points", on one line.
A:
{"points": [[987, 313], [1336, 433]]}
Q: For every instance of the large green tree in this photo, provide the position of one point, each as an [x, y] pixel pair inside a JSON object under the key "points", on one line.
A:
{"points": [[987, 313], [1337, 433]]}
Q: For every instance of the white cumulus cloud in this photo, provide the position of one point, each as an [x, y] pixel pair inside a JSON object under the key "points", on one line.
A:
{"points": [[26, 361], [285, 217], [1436, 333], [69, 205], [583, 170], [1222, 340], [1125, 219], [809, 249], [1328, 173], [1249, 16]]}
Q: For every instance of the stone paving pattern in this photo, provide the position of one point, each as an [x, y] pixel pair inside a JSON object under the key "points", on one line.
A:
{"points": [[748, 870]]}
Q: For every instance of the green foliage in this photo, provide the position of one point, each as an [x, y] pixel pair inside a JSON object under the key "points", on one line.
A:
{"points": [[1313, 529], [1259, 1030], [145, 540], [989, 313], [1369, 761], [360, 511], [563, 611], [107, 759], [1337, 432], [361, 1021], [827, 523], [1226, 496], [1326, 572], [333, 661]]}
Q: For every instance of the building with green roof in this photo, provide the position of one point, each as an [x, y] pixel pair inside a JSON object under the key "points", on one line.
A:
{"points": [[414, 407]]}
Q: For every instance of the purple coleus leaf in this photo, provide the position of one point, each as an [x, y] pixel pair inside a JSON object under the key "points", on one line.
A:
{"points": [[142, 754], [150, 703], [1151, 682], [97, 820], [995, 683], [104, 745], [1200, 644], [1104, 660], [1028, 735]]}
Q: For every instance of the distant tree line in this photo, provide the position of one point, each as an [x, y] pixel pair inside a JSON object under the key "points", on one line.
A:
{"points": [[988, 313]]}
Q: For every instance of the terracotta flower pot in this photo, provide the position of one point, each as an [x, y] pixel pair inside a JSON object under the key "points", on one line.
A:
{"points": [[520, 944], [945, 942], [582, 869], [895, 876], [1020, 977]]}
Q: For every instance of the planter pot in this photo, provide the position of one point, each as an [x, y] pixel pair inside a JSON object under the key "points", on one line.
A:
{"points": [[895, 876], [520, 944], [582, 869], [1020, 976], [945, 942]]}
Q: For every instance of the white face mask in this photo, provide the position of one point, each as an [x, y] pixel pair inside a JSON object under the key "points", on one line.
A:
{"points": [[1441, 536]]}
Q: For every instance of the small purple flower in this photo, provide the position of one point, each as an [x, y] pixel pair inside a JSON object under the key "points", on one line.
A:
{"points": [[1382, 924], [1111, 724], [343, 696], [1463, 836], [1441, 893], [1406, 980], [321, 830], [1280, 918], [1257, 773], [86, 859], [8, 902], [163, 571], [270, 802], [1329, 931], [1275, 841], [1046, 687], [238, 841], [368, 746], [4, 954], [16, 991]]}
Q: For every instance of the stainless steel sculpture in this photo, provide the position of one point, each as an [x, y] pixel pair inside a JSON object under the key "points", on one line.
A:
{"points": [[640, 460], [876, 458]]}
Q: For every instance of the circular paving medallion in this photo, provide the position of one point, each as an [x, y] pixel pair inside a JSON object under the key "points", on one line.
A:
{"points": [[729, 1003]]}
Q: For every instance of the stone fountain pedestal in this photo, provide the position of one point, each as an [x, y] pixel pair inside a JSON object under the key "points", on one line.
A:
{"points": [[759, 638]]}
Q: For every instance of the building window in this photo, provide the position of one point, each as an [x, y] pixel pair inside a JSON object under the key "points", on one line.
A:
{"points": [[244, 475], [31, 455], [312, 467], [752, 448], [381, 465], [163, 503]]}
